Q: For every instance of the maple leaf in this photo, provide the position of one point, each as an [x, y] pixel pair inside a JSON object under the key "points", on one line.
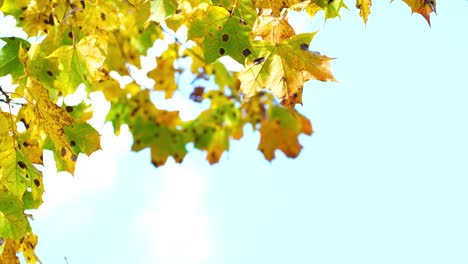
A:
{"points": [[164, 73], [283, 68], [244, 9], [44, 115], [17, 173], [422, 7], [134, 37], [13, 223], [214, 127], [273, 29], [223, 33], [364, 8], [42, 69], [150, 127], [9, 57], [331, 9], [26, 245], [280, 130], [80, 63]]}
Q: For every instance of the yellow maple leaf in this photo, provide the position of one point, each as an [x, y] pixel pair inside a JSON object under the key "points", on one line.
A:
{"points": [[364, 8], [164, 73], [44, 115], [273, 29], [284, 68], [280, 130]]}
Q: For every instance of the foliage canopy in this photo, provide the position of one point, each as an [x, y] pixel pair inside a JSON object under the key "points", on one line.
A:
{"points": [[83, 42]]}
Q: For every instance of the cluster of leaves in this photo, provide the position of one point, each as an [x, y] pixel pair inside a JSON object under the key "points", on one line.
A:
{"points": [[85, 40]]}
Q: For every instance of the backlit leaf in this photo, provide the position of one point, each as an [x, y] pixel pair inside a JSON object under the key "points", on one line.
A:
{"points": [[162, 9], [423, 7], [223, 34], [80, 63], [364, 8], [9, 57], [280, 130], [283, 68], [13, 223], [164, 75]]}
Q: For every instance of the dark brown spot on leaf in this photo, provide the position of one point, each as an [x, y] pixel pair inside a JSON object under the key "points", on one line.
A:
{"points": [[74, 157], [37, 182], [21, 164], [258, 60], [63, 152], [221, 51], [225, 37], [246, 52], [304, 46], [72, 143], [69, 108], [103, 17], [50, 73]]}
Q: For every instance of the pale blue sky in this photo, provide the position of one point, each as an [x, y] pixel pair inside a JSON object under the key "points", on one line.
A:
{"points": [[383, 179]]}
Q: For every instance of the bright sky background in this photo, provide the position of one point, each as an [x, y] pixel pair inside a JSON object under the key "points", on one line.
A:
{"points": [[382, 180]]}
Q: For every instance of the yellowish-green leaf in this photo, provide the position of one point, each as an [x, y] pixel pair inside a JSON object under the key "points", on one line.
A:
{"points": [[80, 63], [212, 130], [284, 68], [162, 9], [17, 173], [331, 9], [13, 222]]}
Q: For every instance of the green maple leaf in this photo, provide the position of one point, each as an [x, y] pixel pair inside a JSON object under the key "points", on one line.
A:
{"points": [[13, 222], [10, 62], [223, 34], [284, 68]]}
